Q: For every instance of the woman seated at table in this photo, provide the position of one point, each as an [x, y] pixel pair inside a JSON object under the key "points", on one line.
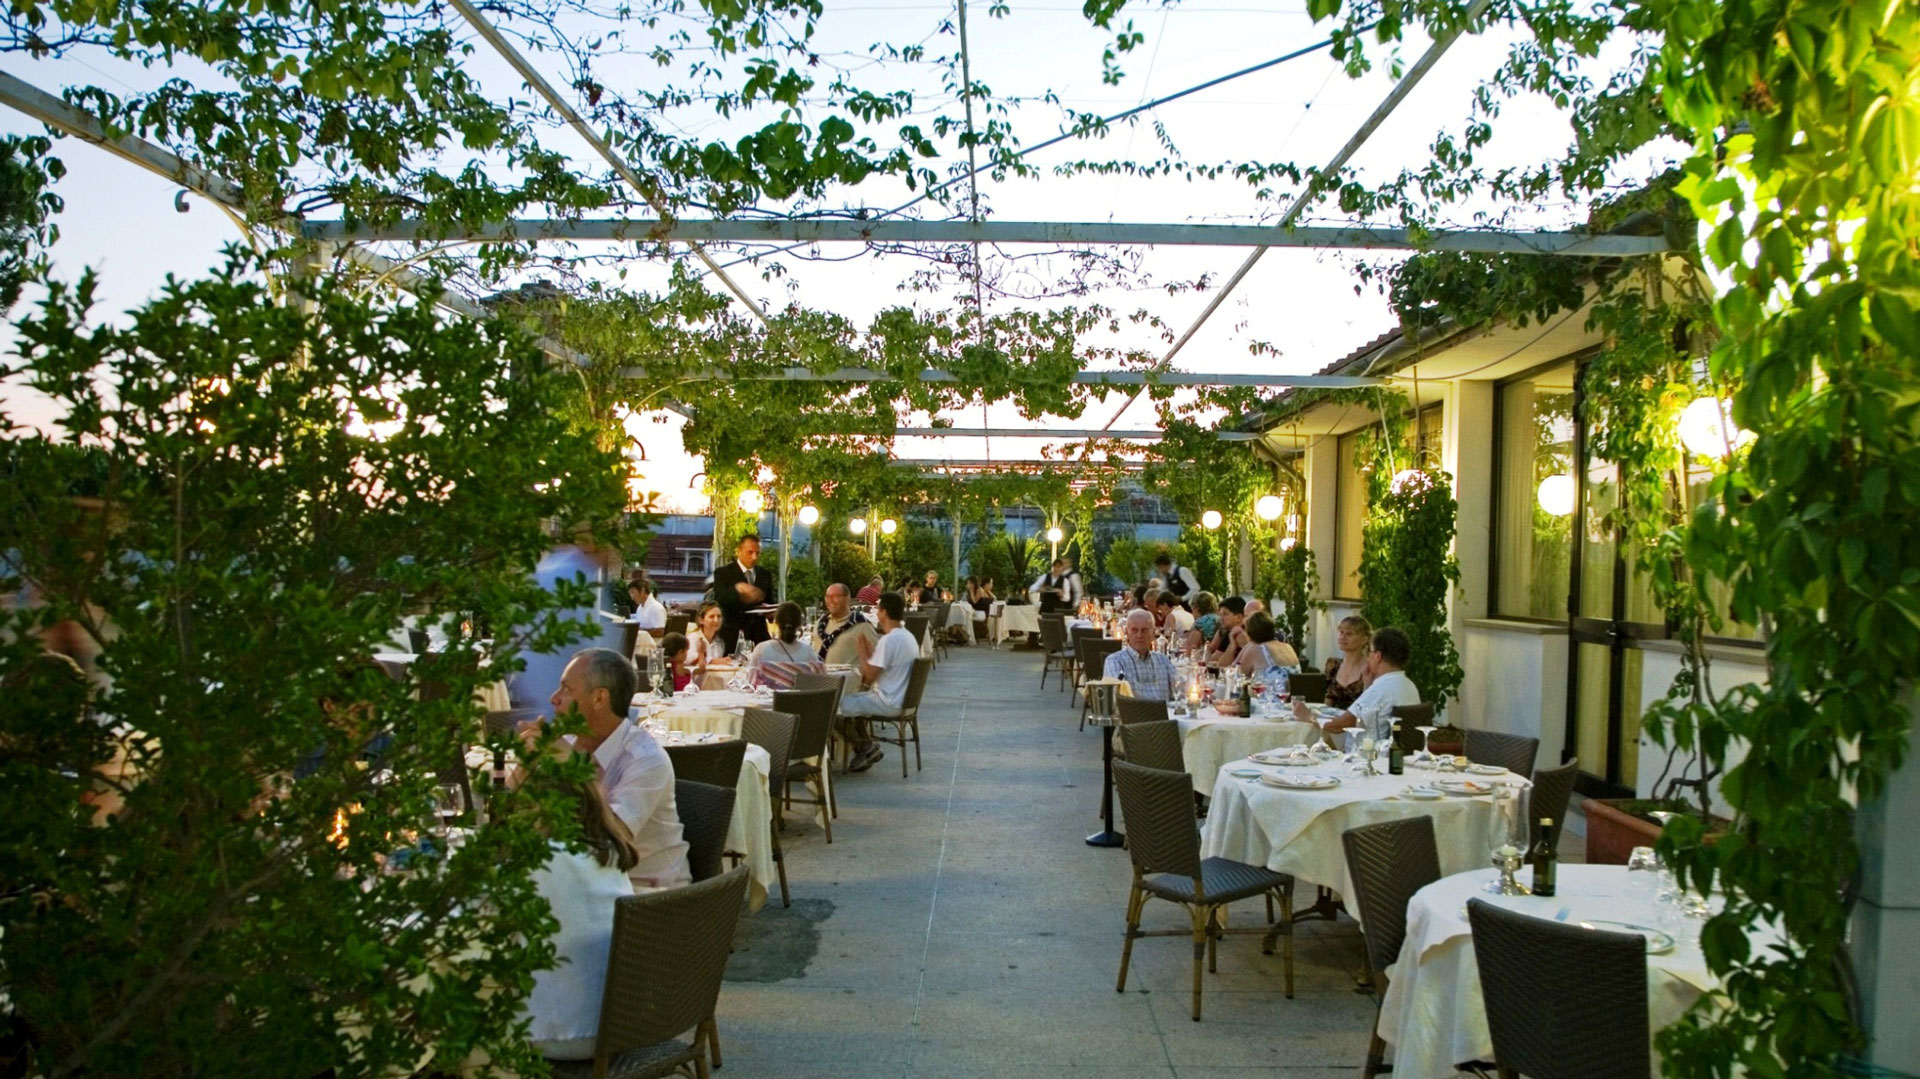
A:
{"points": [[674, 647], [1347, 672], [706, 643], [1229, 634], [580, 890], [1388, 686], [1265, 650], [980, 594], [1206, 622], [777, 662]]}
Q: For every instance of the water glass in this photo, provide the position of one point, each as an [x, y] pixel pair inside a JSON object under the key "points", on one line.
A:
{"points": [[1643, 877]]}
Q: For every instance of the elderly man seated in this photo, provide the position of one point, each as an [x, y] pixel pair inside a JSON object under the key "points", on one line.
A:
{"points": [[1388, 686], [840, 630], [1148, 673], [636, 776]]}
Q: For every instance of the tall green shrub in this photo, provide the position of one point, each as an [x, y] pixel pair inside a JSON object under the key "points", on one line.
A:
{"points": [[272, 490], [1406, 570], [846, 562]]}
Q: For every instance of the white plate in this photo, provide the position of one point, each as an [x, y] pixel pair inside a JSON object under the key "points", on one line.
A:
{"points": [[1486, 770], [1299, 782], [1463, 786], [1246, 773], [1283, 759], [1658, 943], [1420, 794]]}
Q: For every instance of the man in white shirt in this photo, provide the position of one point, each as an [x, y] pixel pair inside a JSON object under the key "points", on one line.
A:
{"points": [[841, 629], [886, 667], [635, 774], [1149, 674], [1388, 686], [648, 613], [1056, 589]]}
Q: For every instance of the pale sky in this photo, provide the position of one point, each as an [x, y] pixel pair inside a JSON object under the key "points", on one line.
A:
{"points": [[121, 221]]}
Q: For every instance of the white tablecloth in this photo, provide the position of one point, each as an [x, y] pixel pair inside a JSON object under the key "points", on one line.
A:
{"points": [[960, 617], [1004, 621], [714, 711], [1433, 1014], [1298, 832], [494, 698], [1210, 740], [750, 831]]}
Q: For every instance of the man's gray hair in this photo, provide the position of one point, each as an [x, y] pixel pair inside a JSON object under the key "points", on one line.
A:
{"points": [[1139, 614], [841, 587], [607, 669]]}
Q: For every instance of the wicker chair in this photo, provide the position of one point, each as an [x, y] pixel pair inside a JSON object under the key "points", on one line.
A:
{"points": [[918, 623], [1053, 646], [418, 642], [1513, 752], [506, 721], [629, 639], [772, 731], [1164, 843], [937, 625], [1388, 862], [1087, 665], [706, 811], [1155, 745], [807, 763], [1138, 710], [906, 725], [678, 623], [1309, 686], [717, 763], [664, 967], [1540, 980], [1552, 790], [1077, 669]]}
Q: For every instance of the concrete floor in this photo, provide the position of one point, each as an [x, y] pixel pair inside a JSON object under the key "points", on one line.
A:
{"points": [[959, 926]]}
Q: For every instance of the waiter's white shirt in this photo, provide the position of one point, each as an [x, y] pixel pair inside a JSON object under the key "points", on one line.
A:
{"points": [[1069, 586]]}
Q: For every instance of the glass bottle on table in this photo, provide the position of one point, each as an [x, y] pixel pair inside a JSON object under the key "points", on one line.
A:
{"points": [[1396, 757], [1545, 860]]}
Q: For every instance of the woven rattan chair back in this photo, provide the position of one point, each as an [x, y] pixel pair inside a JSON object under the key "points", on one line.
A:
{"points": [[717, 763], [1078, 632], [1513, 752], [916, 687], [1540, 980], [812, 711], [664, 966], [629, 639], [1053, 633], [508, 720], [678, 623], [1133, 710], [1389, 862], [1308, 686], [1157, 805], [917, 624], [1552, 790], [1156, 745], [706, 811], [1413, 715], [812, 682], [772, 731]]}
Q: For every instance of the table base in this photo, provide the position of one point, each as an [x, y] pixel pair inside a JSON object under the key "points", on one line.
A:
{"points": [[1106, 838]]}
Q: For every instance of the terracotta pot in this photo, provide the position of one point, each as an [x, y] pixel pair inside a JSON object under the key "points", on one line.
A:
{"points": [[1612, 832], [1447, 739]]}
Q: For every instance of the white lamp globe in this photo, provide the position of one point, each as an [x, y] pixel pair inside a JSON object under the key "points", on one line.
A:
{"points": [[752, 501], [809, 515], [888, 526], [1707, 428], [1268, 507], [1054, 535], [1289, 543], [1210, 519], [857, 526], [1556, 495]]}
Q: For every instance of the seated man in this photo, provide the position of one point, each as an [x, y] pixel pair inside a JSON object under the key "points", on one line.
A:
{"points": [[648, 613], [1148, 673], [636, 775], [886, 667], [1171, 616], [842, 628], [870, 595], [1388, 687]]}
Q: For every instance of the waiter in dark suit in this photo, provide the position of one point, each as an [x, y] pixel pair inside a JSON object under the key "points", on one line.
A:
{"points": [[739, 585]]}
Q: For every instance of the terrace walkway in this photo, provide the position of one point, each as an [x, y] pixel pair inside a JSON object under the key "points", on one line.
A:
{"points": [[958, 926]]}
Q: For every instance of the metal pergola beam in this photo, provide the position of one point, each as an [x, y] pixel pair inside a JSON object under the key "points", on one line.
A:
{"points": [[983, 465], [1065, 435], [1061, 233], [1084, 378]]}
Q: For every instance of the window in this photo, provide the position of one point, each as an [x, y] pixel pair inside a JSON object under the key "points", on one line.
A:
{"points": [[1430, 437], [695, 560], [1350, 515], [1534, 531]]}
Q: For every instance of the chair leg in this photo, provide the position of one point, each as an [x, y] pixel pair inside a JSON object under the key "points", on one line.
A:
{"points": [[916, 744], [1376, 1056], [780, 864], [1214, 917], [1202, 919], [711, 1030], [1135, 900]]}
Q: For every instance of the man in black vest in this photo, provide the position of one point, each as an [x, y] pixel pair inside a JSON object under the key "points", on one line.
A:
{"points": [[1057, 589], [740, 585], [1179, 579]]}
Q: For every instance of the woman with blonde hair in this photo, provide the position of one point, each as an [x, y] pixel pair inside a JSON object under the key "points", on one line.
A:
{"points": [[580, 888], [1347, 672]]}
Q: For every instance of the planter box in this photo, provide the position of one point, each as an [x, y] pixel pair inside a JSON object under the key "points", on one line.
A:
{"points": [[1612, 832]]}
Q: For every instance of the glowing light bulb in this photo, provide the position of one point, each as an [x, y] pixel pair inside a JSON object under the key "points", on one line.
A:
{"points": [[888, 526], [857, 526], [809, 515], [1556, 495], [1707, 428], [752, 501], [1054, 535], [1210, 519], [1268, 507]]}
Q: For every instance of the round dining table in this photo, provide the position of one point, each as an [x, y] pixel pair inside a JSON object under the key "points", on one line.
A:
{"points": [[1209, 740], [1298, 831], [1433, 1014]]}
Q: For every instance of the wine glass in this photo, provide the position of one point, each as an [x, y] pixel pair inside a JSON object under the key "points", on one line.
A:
{"points": [[1643, 876], [1426, 733], [449, 804]]}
